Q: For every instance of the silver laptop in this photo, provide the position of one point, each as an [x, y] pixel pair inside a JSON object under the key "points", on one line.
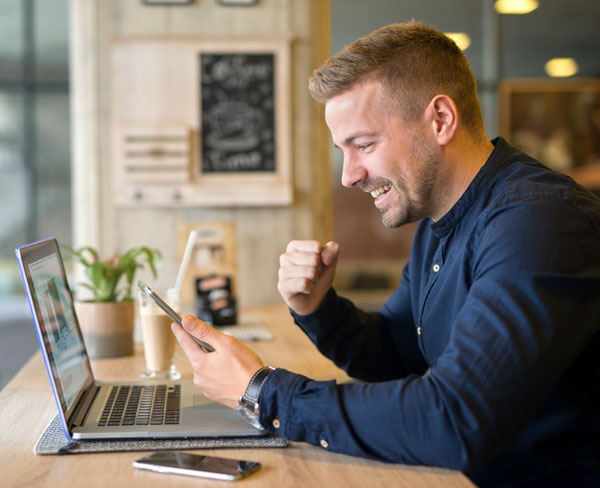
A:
{"points": [[90, 409]]}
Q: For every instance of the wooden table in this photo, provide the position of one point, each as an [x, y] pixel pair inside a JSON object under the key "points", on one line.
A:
{"points": [[27, 406]]}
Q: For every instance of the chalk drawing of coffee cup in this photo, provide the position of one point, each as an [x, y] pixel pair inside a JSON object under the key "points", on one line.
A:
{"points": [[234, 126]]}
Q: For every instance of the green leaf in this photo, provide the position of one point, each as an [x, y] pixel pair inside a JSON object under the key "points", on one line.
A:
{"points": [[79, 254], [105, 276], [94, 290]]}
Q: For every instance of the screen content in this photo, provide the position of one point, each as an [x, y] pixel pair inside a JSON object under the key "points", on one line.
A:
{"points": [[59, 330]]}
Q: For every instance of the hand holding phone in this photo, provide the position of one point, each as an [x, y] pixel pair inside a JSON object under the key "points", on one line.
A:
{"points": [[172, 313], [196, 465]]}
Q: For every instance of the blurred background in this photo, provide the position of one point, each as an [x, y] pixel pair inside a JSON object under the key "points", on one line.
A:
{"points": [[537, 73]]}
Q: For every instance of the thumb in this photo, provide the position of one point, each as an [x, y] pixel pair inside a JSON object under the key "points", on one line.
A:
{"points": [[330, 253], [200, 329]]}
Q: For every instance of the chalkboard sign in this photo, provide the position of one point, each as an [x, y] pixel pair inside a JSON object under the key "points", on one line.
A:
{"points": [[237, 111]]}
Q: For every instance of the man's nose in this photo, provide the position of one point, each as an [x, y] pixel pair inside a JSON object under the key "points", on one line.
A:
{"points": [[352, 173]]}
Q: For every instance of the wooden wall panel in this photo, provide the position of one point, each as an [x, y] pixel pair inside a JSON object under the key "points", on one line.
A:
{"points": [[262, 232]]}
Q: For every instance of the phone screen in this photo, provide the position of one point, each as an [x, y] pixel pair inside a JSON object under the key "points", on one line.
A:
{"points": [[197, 465]]}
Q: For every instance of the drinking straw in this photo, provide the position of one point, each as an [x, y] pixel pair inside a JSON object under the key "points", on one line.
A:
{"points": [[186, 258]]}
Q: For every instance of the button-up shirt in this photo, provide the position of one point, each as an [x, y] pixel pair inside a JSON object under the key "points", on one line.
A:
{"points": [[486, 358]]}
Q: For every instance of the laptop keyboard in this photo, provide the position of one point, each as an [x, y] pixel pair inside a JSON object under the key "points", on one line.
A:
{"points": [[142, 405]]}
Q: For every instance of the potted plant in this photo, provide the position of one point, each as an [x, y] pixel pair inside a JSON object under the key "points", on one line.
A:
{"points": [[106, 318]]}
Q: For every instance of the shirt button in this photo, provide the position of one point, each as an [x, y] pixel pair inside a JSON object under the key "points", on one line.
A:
{"points": [[419, 330], [324, 443], [276, 423], [436, 268]]}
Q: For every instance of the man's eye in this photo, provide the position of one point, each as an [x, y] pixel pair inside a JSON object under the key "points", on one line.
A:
{"points": [[363, 147]]}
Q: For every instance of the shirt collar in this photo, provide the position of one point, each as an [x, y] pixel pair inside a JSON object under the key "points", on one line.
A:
{"points": [[494, 163]]}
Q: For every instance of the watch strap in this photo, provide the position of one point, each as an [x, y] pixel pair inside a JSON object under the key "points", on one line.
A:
{"points": [[256, 383]]}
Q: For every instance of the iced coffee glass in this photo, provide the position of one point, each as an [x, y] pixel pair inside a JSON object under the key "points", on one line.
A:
{"points": [[159, 341]]}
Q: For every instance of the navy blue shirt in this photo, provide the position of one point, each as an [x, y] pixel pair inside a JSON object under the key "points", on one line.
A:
{"points": [[486, 358]]}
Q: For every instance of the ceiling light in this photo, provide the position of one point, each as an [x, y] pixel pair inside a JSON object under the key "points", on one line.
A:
{"points": [[462, 40], [561, 67], [516, 6]]}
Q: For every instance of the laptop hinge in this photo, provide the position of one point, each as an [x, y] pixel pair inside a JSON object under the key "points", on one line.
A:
{"points": [[84, 406]]}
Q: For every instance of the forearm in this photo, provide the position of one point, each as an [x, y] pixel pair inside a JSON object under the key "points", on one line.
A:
{"points": [[368, 420], [363, 344]]}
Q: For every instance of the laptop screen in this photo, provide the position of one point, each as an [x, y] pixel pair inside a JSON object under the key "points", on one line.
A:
{"points": [[50, 297]]}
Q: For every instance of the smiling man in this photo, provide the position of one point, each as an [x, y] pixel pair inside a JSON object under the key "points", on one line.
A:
{"points": [[402, 164], [486, 356]]}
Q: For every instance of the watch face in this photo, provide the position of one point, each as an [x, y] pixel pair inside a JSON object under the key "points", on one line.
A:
{"points": [[246, 411]]}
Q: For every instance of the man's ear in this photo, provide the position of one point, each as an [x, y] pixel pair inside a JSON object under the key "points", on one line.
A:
{"points": [[443, 118]]}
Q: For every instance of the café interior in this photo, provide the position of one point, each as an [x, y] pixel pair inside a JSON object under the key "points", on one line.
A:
{"points": [[183, 129], [116, 131]]}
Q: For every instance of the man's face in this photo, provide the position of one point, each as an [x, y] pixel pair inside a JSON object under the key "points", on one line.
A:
{"points": [[383, 154]]}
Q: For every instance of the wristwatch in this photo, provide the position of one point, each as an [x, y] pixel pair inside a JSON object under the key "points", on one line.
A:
{"points": [[248, 403]]}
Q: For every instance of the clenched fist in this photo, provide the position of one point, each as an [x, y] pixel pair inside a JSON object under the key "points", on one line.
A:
{"points": [[306, 273]]}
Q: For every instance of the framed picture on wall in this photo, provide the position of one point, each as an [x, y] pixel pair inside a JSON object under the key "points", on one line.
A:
{"points": [[237, 112], [556, 122], [202, 122]]}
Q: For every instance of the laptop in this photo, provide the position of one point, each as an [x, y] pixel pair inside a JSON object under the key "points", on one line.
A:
{"points": [[94, 410]]}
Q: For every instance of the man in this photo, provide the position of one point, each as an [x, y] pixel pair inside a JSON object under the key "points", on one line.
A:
{"points": [[486, 358]]}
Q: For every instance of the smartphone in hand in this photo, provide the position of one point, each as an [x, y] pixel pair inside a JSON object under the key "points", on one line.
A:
{"points": [[172, 313], [197, 465]]}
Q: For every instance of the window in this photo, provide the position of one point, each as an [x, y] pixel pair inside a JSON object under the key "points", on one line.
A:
{"points": [[35, 186], [502, 46]]}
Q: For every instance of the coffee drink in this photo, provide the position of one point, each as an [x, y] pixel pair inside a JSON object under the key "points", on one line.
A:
{"points": [[159, 341]]}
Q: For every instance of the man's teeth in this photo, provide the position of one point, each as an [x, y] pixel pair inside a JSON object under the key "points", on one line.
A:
{"points": [[378, 191]]}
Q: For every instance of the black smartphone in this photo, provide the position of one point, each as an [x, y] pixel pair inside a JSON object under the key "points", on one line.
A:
{"points": [[172, 313], [196, 465]]}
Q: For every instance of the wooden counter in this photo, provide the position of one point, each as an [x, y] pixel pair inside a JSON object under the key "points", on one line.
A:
{"points": [[27, 406]]}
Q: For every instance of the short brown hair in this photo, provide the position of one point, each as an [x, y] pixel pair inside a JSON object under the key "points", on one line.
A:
{"points": [[413, 62]]}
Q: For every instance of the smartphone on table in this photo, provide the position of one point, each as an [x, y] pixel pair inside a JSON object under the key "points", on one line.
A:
{"points": [[197, 465], [172, 313]]}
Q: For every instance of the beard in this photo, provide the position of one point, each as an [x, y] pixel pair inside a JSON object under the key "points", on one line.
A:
{"points": [[413, 200]]}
